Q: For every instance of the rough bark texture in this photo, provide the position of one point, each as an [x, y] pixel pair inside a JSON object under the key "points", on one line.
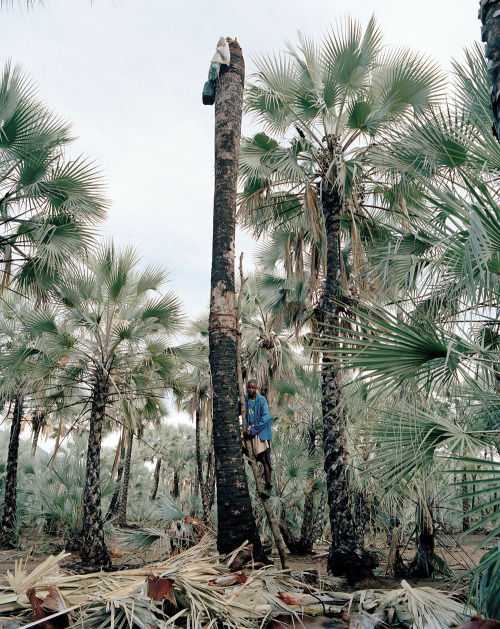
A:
{"points": [[347, 555], [318, 521], [94, 549], [236, 522], [36, 426], [306, 541], [114, 505], [175, 485], [489, 14], [122, 521], [8, 525], [156, 479]]}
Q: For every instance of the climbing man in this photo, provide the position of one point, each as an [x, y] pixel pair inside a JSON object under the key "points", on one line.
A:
{"points": [[258, 429]]}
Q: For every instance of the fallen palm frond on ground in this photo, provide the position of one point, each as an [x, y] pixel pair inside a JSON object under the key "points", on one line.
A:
{"points": [[195, 589]]}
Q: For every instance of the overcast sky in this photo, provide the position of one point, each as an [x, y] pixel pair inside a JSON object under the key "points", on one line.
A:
{"points": [[129, 75]]}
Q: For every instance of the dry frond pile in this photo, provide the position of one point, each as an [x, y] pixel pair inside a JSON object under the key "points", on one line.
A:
{"points": [[191, 589]]}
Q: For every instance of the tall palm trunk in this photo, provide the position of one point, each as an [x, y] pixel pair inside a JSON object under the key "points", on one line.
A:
{"points": [[122, 520], [94, 549], [235, 518], [8, 525], [489, 13], [346, 555], [175, 484], [156, 479]]}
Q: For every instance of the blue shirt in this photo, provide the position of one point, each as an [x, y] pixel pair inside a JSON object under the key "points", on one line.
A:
{"points": [[258, 416]]}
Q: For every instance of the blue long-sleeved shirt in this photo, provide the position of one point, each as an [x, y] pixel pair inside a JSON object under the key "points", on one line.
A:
{"points": [[261, 418]]}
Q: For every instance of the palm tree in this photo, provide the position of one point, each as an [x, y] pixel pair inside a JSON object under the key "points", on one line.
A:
{"points": [[236, 523], [113, 322], [430, 337], [48, 202], [25, 372], [326, 105]]}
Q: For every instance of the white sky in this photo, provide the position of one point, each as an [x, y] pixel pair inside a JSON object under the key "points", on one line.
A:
{"points": [[129, 75]]}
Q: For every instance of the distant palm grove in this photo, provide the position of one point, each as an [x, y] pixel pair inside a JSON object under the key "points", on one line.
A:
{"points": [[370, 320]]}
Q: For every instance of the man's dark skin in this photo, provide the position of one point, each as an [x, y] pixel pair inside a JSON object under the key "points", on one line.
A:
{"points": [[263, 457]]}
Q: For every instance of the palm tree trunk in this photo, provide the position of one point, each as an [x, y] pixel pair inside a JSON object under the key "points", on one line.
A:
{"points": [[489, 14], [422, 564], [114, 505], [235, 518], [465, 506], [318, 520], [175, 485], [8, 525], [122, 520], [94, 549], [347, 555], [37, 423], [306, 541], [156, 479]]}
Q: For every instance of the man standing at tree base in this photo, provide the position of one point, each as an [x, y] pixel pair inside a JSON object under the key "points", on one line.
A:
{"points": [[258, 430]]}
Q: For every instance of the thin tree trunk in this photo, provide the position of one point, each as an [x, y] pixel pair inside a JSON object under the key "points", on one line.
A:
{"points": [[122, 520], [210, 479], [347, 555], [8, 525], [199, 463], [306, 541], [236, 523], [175, 485], [318, 521], [203, 484], [156, 479], [37, 423], [94, 549], [489, 13], [114, 505], [465, 506]]}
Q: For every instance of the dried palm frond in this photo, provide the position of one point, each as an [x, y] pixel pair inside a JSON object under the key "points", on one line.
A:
{"points": [[196, 596]]}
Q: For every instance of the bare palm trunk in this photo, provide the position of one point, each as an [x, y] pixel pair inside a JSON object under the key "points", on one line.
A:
{"points": [[489, 14], [347, 555], [38, 421], [94, 549], [156, 479], [122, 521], [8, 525], [422, 564], [175, 485], [318, 520], [465, 506], [114, 505], [236, 523], [306, 541]]}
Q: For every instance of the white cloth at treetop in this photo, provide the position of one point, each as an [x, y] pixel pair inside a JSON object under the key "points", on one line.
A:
{"points": [[222, 54]]}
